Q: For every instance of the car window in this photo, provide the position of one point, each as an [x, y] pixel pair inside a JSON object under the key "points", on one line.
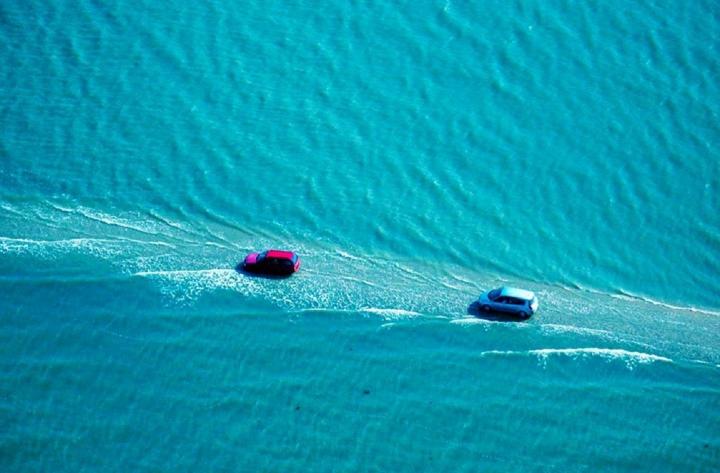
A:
{"points": [[494, 294]]}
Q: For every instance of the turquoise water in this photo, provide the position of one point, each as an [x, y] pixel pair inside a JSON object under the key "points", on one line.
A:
{"points": [[414, 154]]}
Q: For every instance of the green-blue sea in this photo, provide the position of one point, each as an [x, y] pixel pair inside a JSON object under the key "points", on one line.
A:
{"points": [[414, 154]]}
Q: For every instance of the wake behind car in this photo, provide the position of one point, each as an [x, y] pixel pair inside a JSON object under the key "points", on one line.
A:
{"points": [[274, 262], [509, 300]]}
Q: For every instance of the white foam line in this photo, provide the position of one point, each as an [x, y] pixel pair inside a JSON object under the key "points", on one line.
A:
{"points": [[320, 310], [169, 223], [630, 357], [471, 321], [10, 209], [557, 328], [48, 221], [633, 297], [410, 272], [216, 245], [30, 241], [185, 272], [60, 208], [80, 241], [390, 313], [359, 281], [602, 352], [627, 296], [450, 286], [228, 243], [347, 255], [463, 280], [144, 242], [23, 243], [106, 219]]}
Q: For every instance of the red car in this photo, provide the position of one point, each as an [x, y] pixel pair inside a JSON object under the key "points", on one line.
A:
{"points": [[272, 262]]}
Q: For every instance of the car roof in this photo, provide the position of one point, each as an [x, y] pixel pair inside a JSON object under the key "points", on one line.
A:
{"points": [[279, 254], [517, 293]]}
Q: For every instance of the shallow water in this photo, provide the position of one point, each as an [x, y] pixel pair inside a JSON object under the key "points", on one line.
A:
{"points": [[414, 155]]}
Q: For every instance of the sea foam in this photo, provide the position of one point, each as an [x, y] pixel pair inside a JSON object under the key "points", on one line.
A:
{"points": [[630, 358]]}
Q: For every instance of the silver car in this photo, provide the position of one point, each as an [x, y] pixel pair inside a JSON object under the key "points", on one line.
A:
{"points": [[510, 300]]}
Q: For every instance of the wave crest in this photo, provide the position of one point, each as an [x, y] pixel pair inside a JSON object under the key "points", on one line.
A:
{"points": [[390, 313], [630, 358]]}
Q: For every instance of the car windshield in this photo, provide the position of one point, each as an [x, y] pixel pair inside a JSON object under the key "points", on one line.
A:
{"points": [[494, 294], [261, 256]]}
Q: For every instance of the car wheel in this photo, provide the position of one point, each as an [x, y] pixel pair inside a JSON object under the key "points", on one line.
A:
{"points": [[524, 315], [485, 308]]}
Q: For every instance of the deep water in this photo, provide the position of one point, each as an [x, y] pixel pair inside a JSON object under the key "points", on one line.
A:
{"points": [[414, 154]]}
